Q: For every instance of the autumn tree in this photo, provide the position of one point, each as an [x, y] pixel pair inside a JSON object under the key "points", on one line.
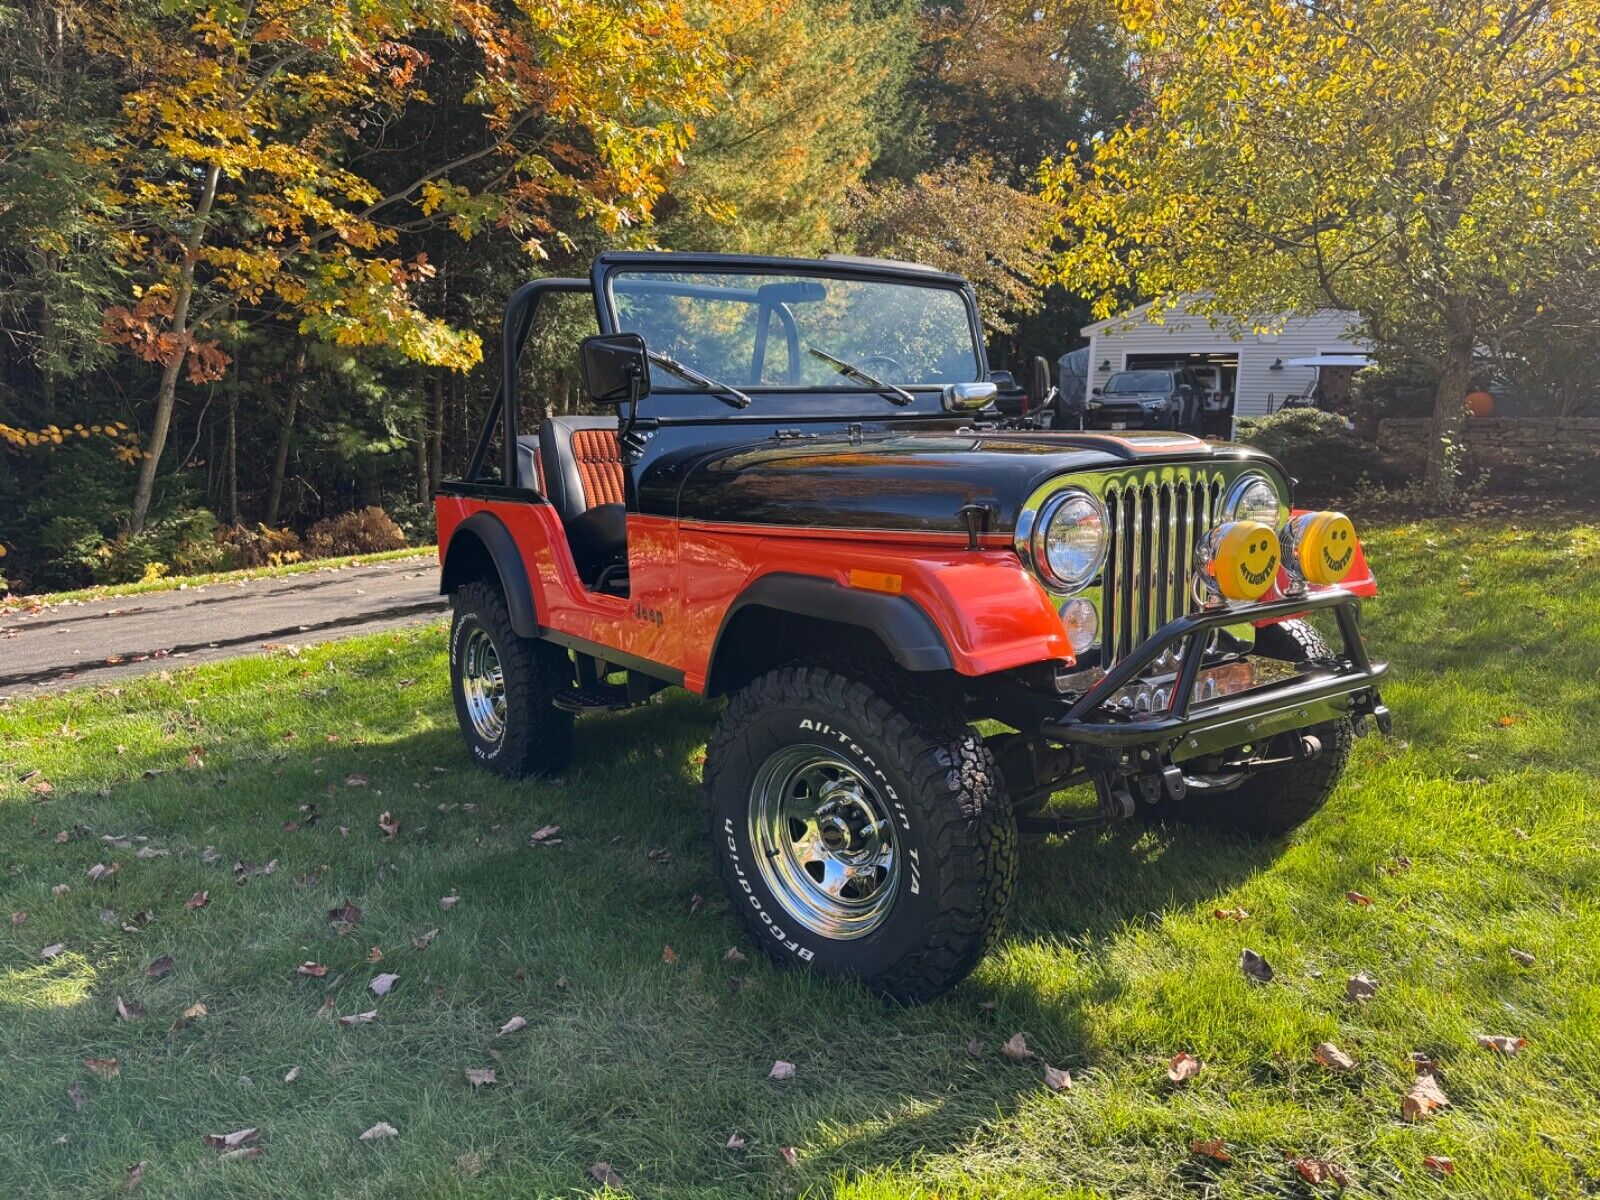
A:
{"points": [[1433, 165], [233, 172]]}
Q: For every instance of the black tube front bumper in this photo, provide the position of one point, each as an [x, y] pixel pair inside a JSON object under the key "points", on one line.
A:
{"points": [[1346, 686]]}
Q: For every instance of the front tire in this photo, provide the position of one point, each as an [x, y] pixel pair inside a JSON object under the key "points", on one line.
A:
{"points": [[505, 686], [860, 827], [1274, 801]]}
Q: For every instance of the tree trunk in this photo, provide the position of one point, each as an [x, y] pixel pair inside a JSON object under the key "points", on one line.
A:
{"points": [[166, 393], [1449, 408], [424, 488], [436, 452], [233, 455], [280, 461]]}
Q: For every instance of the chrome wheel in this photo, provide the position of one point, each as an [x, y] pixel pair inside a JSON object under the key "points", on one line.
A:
{"points": [[824, 842], [484, 686]]}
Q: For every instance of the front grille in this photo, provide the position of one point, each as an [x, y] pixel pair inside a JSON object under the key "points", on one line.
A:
{"points": [[1156, 523]]}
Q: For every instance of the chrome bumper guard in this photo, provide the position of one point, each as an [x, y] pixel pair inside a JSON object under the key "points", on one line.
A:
{"points": [[1343, 687]]}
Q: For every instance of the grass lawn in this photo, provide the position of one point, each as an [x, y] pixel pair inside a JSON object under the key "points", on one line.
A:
{"points": [[650, 1060]]}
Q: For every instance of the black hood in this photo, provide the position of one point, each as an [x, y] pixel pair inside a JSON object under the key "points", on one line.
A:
{"points": [[894, 481]]}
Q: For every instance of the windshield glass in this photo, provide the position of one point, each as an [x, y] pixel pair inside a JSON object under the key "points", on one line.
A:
{"points": [[757, 331], [1139, 381]]}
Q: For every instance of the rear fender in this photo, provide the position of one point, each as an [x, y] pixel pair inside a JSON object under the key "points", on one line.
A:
{"points": [[482, 544]]}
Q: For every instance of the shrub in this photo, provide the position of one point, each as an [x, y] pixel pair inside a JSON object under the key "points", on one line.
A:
{"points": [[181, 543], [1317, 449], [364, 531], [262, 546]]}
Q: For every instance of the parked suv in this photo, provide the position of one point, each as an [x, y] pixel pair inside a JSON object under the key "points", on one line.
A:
{"points": [[1164, 398], [801, 502]]}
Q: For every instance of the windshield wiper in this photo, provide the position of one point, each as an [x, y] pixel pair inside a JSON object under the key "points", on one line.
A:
{"points": [[897, 394], [725, 392]]}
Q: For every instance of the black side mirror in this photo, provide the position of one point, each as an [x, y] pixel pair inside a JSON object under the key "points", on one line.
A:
{"points": [[1095, 392], [1003, 380], [1041, 378], [616, 368]]}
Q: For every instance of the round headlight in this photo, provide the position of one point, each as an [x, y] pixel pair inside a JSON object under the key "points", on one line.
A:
{"points": [[1069, 543], [1252, 498]]}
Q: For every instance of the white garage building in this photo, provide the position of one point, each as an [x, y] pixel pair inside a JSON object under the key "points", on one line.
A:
{"points": [[1249, 374]]}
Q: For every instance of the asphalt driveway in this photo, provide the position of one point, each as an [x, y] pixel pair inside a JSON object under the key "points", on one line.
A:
{"points": [[94, 641]]}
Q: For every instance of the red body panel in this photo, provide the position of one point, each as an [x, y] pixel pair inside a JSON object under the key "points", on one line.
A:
{"points": [[684, 577]]}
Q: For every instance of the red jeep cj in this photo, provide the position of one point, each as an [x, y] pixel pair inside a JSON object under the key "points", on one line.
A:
{"points": [[807, 504]]}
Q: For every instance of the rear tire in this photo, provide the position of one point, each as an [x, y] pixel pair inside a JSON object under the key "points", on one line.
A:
{"points": [[504, 687], [1275, 800], [860, 827]]}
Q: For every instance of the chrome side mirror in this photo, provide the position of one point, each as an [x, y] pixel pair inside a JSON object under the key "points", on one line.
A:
{"points": [[967, 397]]}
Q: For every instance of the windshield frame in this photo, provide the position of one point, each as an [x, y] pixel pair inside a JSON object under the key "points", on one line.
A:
{"points": [[611, 263]]}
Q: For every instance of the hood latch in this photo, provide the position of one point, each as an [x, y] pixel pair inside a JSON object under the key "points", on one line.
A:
{"points": [[977, 517]]}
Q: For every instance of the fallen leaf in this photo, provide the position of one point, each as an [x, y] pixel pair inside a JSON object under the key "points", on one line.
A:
{"points": [[210, 854], [781, 1070], [469, 1164], [104, 1068], [1424, 1099], [421, 943], [17, 918], [1522, 957], [149, 852], [512, 1026], [735, 1142], [1056, 1079], [130, 1010], [1255, 967], [132, 1177], [1333, 1058], [1423, 1064], [381, 1130], [1358, 899], [1231, 914], [314, 969], [1360, 988], [1183, 1066], [669, 955], [355, 780], [1399, 865], [659, 854], [1318, 1170], [975, 1048], [232, 1141], [388, 825], [1439, 1164], [602, 1174], [1505, 722], [75, 1094], [1216, 1149], [734, 956], [161, 967], [365, 1018], [198, 900], [101, 872], [1504, 1043], [344, 918], [696, 903], [1016, 1048], [988, 1006], [546, 835], [480, 1076], [240, 1154], [375, 955], [790, 1156], [52, 950], [381, 985], [326, 1008], [449, 902], [561, 983], [291, 1075], [60, 889]]}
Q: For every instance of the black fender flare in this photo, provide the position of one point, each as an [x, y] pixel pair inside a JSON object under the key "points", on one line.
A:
{"points": [[490, 532], [899, 622]]}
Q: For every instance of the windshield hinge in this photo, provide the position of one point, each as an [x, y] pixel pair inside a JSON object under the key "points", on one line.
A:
{"points": [[855, 433]]}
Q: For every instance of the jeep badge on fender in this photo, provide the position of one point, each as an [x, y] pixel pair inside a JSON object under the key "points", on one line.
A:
{"points": [[799, 496]]}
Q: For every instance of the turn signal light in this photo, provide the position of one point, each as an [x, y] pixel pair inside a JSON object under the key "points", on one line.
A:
{"points": [[1320, 547], [1238, 560]]}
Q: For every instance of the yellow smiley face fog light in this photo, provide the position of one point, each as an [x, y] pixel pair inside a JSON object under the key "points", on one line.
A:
{"points": [[1320, 546], [1238, 560]]}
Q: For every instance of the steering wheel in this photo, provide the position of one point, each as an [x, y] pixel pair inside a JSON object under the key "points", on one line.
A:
{"points": [[884, 358]]}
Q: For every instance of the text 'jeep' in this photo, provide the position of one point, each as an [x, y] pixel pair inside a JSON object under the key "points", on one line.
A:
{"points": [[806, 503]]}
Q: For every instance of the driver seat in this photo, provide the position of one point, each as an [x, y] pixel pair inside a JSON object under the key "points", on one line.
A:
{"points": [[584, 480]]}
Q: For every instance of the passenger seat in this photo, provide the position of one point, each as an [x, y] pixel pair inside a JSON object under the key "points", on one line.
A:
{"points": [[583, 479]]}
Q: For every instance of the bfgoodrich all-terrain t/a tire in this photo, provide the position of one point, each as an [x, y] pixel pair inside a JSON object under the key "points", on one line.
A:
{"points": [[1276, 800], [504, 686], [860, 827]]}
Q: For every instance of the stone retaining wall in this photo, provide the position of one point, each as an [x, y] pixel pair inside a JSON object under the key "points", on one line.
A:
{"points": [[1492, 441]]}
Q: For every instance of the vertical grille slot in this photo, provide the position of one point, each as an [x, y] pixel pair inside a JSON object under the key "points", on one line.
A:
{"points": [[1149, 576]]}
